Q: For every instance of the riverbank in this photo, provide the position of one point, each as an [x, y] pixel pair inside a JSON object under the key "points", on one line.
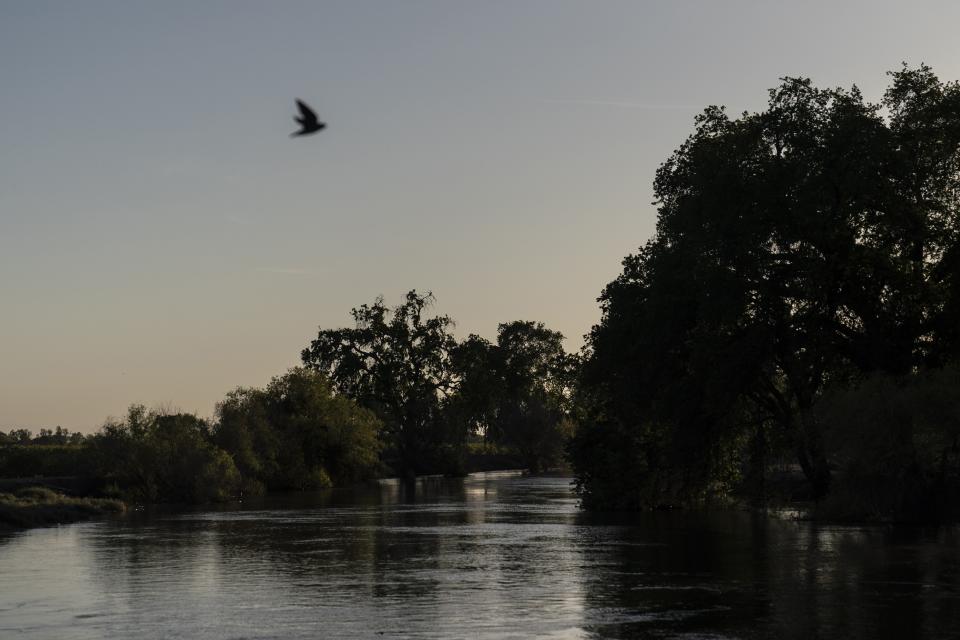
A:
{"points": [[39, 507]]}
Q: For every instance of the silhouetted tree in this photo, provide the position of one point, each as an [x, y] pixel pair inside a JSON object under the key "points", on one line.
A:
{"points": [[815, 241], [59, 436], [517, 392], [479, 387], [20, 436], [396, 362]]}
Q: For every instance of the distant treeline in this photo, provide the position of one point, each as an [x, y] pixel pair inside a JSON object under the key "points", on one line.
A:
{"points": [[396, 394], [45, 436], [800, 302]]}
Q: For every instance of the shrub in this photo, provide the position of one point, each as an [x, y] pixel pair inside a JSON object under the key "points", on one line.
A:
{"points": [[156, 457], [296, 434]]}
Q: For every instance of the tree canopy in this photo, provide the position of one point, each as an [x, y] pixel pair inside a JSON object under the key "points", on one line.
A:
{"points": [[298, 434], [517, 392], [803, 246], [395, 362], [433, 393]]}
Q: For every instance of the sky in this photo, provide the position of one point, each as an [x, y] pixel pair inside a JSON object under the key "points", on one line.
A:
{"points": [[163, 240]]}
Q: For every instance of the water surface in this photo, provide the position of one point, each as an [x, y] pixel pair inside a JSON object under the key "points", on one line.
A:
{"points": [[491, 556]]}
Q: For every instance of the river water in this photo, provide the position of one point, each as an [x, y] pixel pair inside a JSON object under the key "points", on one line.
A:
{"points": [[494, 555]]}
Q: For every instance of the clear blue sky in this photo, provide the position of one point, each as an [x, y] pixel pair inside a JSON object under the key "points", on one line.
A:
{"points": [[163, 240]]}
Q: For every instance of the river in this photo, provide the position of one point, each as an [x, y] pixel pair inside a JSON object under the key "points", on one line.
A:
{"points": [[495, 555]]}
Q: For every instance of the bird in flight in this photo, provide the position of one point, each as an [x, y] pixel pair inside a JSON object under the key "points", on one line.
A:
{"points": [[308, 121]]}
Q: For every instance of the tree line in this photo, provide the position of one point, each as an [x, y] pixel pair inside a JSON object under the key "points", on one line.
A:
{"points": [[433, 393], [395, 395], [798, 309], [45, 436]]}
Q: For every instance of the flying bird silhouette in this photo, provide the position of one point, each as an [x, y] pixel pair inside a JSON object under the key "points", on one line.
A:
{"points": [[308, 121]]}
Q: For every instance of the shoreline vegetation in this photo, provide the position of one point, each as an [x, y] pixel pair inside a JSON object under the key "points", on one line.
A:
{"points": [[396, 396], [799, 304], [39, 506], [790, 335]]}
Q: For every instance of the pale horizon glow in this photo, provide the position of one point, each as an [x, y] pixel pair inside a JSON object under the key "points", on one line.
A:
{"points": [[163, 240]]}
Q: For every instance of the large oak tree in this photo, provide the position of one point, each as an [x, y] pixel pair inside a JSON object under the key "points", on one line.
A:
{"points": [[805, 245]]}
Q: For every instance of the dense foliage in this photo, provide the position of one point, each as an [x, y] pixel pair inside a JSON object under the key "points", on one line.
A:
{"points": [[517, 392], [895, 443], [396, 394], [153, 456], [294, 434], [434, 394], [813, 244], [396, 363], [297, 434], [19, 461]]}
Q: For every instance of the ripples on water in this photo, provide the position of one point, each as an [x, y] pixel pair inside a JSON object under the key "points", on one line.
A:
{"points": [[492, 556]]}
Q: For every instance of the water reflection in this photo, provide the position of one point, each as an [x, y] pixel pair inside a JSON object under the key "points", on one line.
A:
{"points": [[495, 555]]}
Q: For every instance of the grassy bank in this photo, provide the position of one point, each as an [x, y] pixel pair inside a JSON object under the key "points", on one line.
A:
{"points": [[39, 506]]}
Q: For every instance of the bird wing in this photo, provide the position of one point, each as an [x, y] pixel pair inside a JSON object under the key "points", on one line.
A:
{"points": [[306, 112]]}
